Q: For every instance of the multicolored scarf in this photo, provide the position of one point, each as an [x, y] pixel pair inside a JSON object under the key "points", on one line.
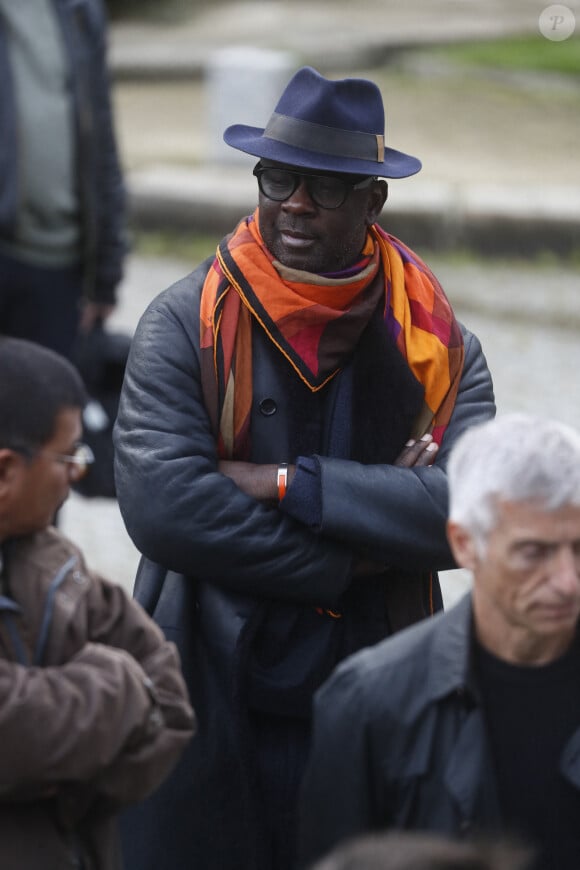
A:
{"points": [[316, 322]]}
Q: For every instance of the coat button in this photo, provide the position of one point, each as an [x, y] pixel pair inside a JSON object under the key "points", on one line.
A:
{"points": [[268, 407]]}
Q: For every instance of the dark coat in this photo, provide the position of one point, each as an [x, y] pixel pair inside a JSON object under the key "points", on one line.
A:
{"points": [[242, 555], [99, 177], [405, 723]]}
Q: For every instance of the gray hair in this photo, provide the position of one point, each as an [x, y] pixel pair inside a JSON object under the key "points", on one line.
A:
{"points": [[516, 457]]}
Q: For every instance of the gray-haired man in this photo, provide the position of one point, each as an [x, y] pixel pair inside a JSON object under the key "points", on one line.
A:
{"points": [[472, 720]]}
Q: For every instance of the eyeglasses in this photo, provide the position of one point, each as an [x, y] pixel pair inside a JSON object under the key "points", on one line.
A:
{"points": [[80, 459], [326, 191]]}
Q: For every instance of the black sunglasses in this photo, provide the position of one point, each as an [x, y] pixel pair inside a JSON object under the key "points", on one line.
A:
{"points": [[326, 191]]}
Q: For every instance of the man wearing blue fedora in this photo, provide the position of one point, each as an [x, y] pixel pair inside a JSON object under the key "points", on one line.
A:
{"points": [[286, 417]]}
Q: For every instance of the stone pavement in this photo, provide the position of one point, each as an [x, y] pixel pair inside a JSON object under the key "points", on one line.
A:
{"points": [[500, 167]]}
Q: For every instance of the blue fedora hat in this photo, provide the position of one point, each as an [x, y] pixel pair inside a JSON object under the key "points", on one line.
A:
{"points": [[333, 126]]}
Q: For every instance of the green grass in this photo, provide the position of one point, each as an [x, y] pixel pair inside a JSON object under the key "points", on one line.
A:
{"points": [[181, 246], [527, 53]]}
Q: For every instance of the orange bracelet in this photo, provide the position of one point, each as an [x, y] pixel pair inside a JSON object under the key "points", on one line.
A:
{"points": [[282, 480]]}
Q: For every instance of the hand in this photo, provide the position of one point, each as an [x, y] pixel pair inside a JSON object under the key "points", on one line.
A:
{"points": [[418, 453], [91, 312]]}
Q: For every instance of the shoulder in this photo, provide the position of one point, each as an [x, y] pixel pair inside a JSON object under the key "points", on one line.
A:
{"points": [[401, 662], [401, 649], [475, 401], [45, 562], [48, 551], [471, 342]]}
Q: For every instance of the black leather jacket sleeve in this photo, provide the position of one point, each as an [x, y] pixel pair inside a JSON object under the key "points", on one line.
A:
{"points": [[179, 510]]}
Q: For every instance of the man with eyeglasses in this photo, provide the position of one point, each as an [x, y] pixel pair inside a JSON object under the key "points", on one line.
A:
{"points": [[286, 416], [93, 708]]}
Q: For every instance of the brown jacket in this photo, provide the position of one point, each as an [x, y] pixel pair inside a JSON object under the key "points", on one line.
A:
{"points": [[93, 708]]}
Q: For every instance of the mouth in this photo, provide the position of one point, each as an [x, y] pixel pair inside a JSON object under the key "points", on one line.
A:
{"points": [[296, 239], [560, 612]]}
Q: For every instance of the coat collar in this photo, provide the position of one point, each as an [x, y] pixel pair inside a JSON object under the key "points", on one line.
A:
{"points": [[451, 665], [468, 776]]}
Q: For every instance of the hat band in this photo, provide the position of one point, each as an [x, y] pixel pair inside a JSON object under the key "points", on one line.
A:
{"points": [[315, 137]]}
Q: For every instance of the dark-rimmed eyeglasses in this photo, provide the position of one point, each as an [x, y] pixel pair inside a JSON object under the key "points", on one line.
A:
{"points": [[80, 459], [326, 191]]}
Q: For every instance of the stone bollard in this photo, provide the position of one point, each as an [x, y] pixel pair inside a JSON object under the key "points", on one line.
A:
{"points": [[243, 85]]}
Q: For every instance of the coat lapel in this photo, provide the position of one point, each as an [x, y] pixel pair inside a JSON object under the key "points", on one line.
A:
{"points": [[469, 778], [469, 774]]}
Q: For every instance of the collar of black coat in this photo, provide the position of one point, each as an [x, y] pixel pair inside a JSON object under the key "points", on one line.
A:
{"points": [[451, 669]]}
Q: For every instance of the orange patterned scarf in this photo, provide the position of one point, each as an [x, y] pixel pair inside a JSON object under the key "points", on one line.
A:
{"points": [[316, 322]]}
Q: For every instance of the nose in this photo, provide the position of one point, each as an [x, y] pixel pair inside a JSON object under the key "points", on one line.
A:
{"points": [[76, 472], [566, 572], [300, 201]]}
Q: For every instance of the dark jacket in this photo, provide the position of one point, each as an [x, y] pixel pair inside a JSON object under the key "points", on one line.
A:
{"points": [[93, 709], [99, 175], [243, 556], [399, 741]]}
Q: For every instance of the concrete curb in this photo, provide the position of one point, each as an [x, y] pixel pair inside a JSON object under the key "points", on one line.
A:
{"points": [[440, 217]]}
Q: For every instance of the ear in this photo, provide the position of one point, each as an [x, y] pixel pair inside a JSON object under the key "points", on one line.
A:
{"points": [[463, 545], [378, 194], [9, 463]]}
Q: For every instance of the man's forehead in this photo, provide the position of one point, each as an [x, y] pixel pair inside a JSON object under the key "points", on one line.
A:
{"points": [[274, 164], [301, 170], [516, 517], [68, 425]]}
